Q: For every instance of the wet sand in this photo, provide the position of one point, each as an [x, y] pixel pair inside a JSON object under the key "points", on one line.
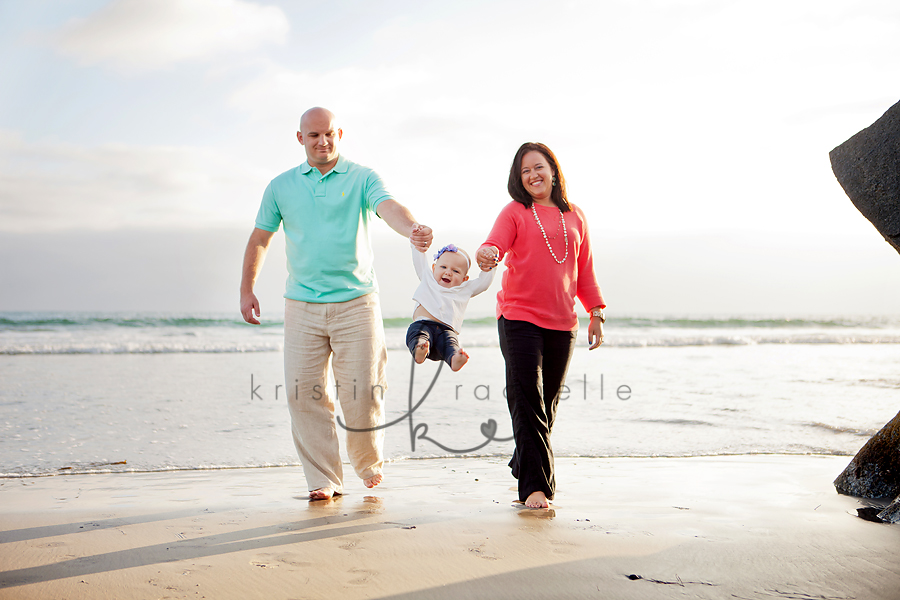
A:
{"points": [[757, 526]]}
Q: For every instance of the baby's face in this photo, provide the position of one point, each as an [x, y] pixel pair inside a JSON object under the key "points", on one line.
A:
{"points": [[450, 269]]}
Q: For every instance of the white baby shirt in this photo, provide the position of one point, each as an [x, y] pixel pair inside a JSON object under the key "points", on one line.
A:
{"points": [[446, 304]]}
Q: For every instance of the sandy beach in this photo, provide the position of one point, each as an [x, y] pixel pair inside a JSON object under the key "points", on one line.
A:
{"points": [[762, 526]]}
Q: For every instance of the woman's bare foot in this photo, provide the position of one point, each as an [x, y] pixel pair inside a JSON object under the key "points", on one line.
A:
{"points": [[459, 360], [373, 480], [325, 493], [421, 354], [537, 500]]}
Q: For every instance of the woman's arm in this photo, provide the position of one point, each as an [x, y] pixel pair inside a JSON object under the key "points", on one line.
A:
{"points": [[499, 240], [586, 288]]}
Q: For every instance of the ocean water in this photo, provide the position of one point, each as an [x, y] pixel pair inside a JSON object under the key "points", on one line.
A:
{"points": [[148, 392]]}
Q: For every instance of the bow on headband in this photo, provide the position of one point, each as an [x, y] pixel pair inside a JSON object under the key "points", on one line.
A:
{"points": [[451, 248]]}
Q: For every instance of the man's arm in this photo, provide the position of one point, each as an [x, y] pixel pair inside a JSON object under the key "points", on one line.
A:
{"points": [[254, 256], [401, 220]]}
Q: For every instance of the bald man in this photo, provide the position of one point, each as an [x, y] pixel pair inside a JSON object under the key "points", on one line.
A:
{"points": [[331, 301]]}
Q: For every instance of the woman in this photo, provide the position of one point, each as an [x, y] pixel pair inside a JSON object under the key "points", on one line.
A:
{"points": [[545, 241]]}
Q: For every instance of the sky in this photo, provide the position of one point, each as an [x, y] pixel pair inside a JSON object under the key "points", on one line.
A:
{"points": [[136, 139]]}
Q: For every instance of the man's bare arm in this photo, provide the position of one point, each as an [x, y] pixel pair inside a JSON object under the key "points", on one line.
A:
{"points": [[254, 257], [401, 220]]}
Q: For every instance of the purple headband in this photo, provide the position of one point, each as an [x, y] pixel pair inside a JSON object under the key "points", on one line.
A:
{"points": [[451, 248]]}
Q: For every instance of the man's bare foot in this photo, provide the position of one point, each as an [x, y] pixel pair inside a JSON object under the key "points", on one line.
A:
{"points": [[373, 480], [537, 500], [421, 354], [325, 493], [459, 360]]}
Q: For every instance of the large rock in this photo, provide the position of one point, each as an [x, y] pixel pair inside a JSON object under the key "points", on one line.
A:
{"points": [[875, 470], [868, 168], [891, 514]]}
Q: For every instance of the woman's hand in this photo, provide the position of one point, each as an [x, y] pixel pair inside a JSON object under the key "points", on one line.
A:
{"points": [[487, 257], [595, 333]]}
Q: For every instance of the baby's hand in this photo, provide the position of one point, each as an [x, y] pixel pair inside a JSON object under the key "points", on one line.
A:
{"points": [[488, 258]]}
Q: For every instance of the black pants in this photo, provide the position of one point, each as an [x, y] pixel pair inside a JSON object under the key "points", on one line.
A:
{"points": [[442, 339], [536, 363]]}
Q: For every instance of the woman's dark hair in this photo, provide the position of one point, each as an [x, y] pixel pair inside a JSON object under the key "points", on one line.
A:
{"points": [[518, 192]]}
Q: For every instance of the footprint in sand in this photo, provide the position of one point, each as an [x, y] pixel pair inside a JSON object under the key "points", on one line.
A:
{"points": [[293, 562], [562, 547], [478, 550], [362, 576]]}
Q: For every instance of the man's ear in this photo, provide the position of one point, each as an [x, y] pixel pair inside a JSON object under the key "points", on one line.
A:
{"points": [[300, 138]]}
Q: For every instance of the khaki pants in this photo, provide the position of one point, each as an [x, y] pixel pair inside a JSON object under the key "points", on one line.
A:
{"points": [[351, 334]]}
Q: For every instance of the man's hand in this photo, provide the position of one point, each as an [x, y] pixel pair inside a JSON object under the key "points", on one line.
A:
{"points": [[421, 237], [595, 333], [487, 257], [250, 305]]}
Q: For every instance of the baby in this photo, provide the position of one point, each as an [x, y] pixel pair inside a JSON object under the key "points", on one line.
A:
{"points": [[441, 300]]}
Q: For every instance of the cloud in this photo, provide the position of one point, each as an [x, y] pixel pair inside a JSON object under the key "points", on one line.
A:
{"points": [[689, 116], [139, 35], [57, 186]]}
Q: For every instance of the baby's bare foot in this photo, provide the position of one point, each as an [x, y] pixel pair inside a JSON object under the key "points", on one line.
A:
{"points": [[373, 480], [537, 500], [459, 360], [421, 353]]}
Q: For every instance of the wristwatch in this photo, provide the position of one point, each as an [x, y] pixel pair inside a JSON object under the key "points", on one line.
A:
{"points": [[598, 312]]}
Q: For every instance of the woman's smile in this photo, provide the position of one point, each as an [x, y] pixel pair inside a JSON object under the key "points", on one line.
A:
{"points": [[537, 176]]}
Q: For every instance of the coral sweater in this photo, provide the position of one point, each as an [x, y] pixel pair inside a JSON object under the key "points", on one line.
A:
{"points": [[535, 287]]}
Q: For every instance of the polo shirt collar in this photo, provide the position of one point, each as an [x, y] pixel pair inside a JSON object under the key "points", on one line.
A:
{"points": [[340, 166]]}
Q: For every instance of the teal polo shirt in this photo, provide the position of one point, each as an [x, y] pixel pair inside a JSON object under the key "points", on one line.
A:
{"points": [[326, 227]]}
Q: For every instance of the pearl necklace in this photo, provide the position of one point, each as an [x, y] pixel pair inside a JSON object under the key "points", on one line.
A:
{"points": [[562, 219]]}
